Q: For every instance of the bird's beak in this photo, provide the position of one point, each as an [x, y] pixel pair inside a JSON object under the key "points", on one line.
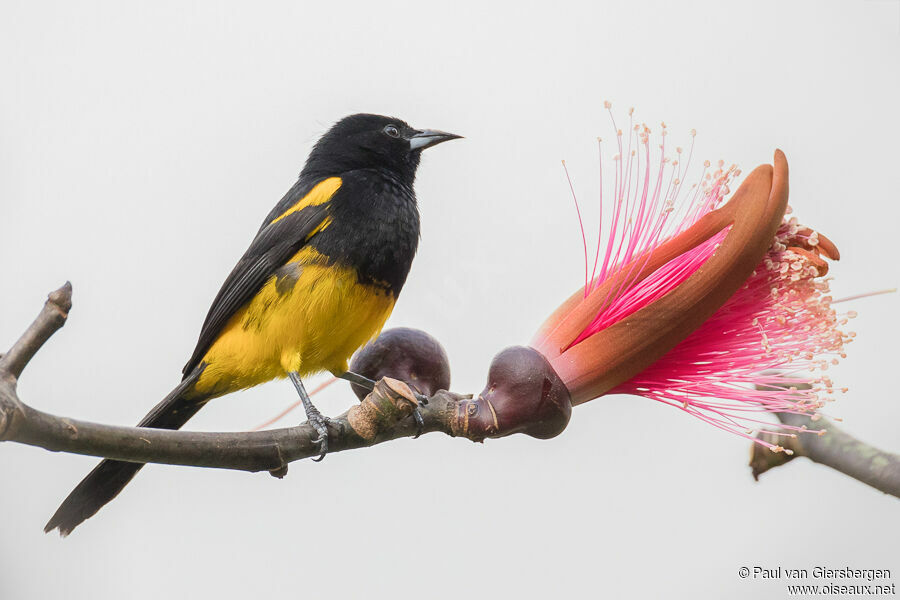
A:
{"points": [[428, 138]]}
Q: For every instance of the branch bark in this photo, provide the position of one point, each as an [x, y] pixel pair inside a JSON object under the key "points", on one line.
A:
{"points": [[384, 415], [836, 449]]}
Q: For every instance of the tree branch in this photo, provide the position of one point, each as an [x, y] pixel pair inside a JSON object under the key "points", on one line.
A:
{"points": [[836, 449], [52, 317], [383, 415]]}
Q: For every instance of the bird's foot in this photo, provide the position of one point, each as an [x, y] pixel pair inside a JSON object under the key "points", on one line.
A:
{"points": [[320, 424]]}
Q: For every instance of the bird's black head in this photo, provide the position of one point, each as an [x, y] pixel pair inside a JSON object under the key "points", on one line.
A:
{"points": [[372, 141]]}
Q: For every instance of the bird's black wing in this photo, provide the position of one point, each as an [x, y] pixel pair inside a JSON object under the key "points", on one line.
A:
{"points": [[272, 247]]}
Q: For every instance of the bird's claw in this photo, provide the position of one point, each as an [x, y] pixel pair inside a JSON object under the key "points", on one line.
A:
{"points": [[321, 441], [420, 422], [320, 424]]}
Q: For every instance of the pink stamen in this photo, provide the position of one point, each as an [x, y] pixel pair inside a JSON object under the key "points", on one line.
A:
{"points": [[866, 295], [580, 224]]}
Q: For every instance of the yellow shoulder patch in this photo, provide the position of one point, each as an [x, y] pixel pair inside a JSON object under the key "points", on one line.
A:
{"points": [[320, 194]]}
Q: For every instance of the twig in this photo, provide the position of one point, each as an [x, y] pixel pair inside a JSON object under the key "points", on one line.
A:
{"points": [[836, 449], [52, 317]]}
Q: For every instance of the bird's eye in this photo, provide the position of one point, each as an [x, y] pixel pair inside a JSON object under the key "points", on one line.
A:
{"points": [[392, 131]]}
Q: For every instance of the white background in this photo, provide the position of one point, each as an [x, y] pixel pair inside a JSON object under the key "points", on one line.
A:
{"points": [[140, 146]]}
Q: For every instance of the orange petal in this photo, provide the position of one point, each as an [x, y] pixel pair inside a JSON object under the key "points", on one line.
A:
{"points": [[576, 313], [813, 257], [616, 354], [828, 248], [825, 246]]}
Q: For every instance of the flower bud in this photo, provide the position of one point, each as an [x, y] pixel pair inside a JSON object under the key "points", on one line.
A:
{"points": [[523, 395], [410, 355]]}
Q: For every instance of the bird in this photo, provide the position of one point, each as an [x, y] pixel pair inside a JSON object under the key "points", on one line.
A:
{"points": [[318, 281]]}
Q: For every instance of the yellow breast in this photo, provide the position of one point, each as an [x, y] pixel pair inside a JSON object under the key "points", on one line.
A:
{"points": [[308, 317]]}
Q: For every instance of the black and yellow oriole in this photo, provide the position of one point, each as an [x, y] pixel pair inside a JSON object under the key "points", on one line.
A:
{"points": [[318, 281]]}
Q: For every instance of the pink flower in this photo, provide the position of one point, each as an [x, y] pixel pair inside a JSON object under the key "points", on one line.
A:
{"points": [[694, 301]]}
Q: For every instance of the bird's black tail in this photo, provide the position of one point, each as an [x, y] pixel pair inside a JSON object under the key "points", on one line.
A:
{"points": [[109, 477]]}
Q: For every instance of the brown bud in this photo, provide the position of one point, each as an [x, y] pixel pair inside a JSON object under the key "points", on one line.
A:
{"points": [[523, 395], [410, 355]]}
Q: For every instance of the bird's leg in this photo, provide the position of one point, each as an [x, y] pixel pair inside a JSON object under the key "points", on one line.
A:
{"points": [[315, 418], [369, 384]]}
